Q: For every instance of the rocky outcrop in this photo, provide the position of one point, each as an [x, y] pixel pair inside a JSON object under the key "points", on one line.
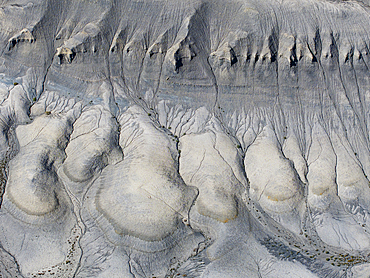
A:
{"points": [[184, 138]]}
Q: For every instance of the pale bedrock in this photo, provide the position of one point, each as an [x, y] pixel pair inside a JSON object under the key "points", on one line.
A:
{"points": [[93, 144], [353, 185], [40, 242], [83, 47], [101, 258], [249, 259], [274, 182], [13, 111], [8, 266], [333, 224], [34, 188], [293, 152], [236, 250], [360, 271], [37, 211], [244, 61], [126, 253], [143, 195], [209, 161], [24, 35], [140, 204], [182, 120]]}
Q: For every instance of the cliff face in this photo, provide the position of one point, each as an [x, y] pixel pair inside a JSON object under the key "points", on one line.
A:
{"points": [[184, 138]]}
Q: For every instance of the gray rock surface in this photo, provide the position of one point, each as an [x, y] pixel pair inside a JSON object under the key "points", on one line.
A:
{"points": [[144, 138]]}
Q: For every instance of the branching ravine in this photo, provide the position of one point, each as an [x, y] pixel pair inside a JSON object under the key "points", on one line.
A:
{"points": [[9, 264], [266, 20]]}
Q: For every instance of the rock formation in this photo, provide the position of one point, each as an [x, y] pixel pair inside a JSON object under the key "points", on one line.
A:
{"points": [[145, 138]]}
